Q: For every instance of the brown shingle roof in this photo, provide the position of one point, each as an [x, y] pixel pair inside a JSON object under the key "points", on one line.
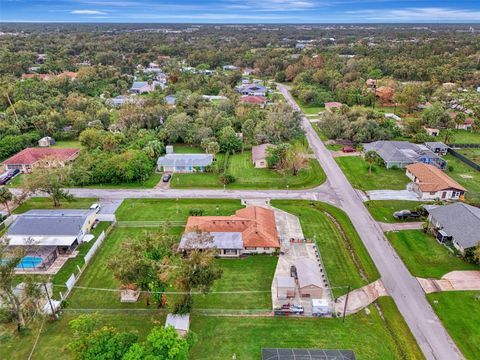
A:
{"points": [[253, 99], [30, 156], [256, 224], [430, 178]]}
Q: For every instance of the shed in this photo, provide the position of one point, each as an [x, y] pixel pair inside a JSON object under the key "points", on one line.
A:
{"points": [[129, 294], [181, 323], [169, 149], [285, 287], [309, 278], [46, 141]]}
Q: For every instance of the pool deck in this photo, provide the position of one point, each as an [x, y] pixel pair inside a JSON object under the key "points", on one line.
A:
{"points": [[52, 269]]}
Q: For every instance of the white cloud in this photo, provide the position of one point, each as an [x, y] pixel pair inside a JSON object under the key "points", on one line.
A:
{"points": [[417, 14], [88, 12]]}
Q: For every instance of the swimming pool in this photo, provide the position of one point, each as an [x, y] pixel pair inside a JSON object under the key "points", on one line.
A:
{"points": [[29, 262]]}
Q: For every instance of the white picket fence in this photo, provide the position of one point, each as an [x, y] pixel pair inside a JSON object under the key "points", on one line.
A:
{"points": [[94, 248]]}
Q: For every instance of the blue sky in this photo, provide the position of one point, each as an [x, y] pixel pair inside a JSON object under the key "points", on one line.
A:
{"points": [[240, 11]]}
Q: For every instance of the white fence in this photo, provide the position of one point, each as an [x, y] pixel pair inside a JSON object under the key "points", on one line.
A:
{"points": [[7, 222], [94, 248]]}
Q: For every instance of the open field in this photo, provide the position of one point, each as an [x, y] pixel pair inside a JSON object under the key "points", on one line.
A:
{"points": [[67, 144], [249, 177], [462, 137], [382, 210], [245, 337], [356, 171], [173, 210], [459, 311], [465, 176], [473, 154], [424, 256], [346, 260], [308, 109], [47, 203]]}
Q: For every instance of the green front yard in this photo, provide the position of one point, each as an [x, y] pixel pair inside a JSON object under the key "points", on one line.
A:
{"points": [[465, 176], [424, 256], [462, 137], [345, 258], [309, 109], [459, 312], [473, 154], [249, 177], [47, 203], [382, 210], [356, 171]]}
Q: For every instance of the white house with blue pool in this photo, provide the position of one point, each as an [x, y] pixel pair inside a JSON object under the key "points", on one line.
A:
{"points": [[184, 163]]}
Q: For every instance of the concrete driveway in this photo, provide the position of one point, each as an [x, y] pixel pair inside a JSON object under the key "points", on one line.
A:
{"points": [[392, 195], [109, 206], [417, 225]]}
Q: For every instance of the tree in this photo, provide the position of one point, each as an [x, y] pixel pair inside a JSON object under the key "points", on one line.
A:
{"points": [[49, 180], [22, 306], [371, 157], [408, 96], [449, 136], [476, 253], [5, 197], [296, 157], [92, 341], [229, 140], [162, 343]]}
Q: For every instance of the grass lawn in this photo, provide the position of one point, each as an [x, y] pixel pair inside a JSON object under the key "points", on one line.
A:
{"points": [[369, 336], [247, 274], [472, 154], [334, 147], [67, 144], [382, 210], [308, 109], [356, 171], [55, 336], [465, 176], [424, 256], [459, 311], [462, 137], [249, 177], [344, 259], [166, 209], [47, 203]]}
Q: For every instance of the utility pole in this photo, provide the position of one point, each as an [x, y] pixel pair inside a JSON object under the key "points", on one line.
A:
{"points": [[346, 303], [49, 300]]}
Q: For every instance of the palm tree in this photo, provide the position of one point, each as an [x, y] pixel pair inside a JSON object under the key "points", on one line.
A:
{"points": [[371, 158], [5, 197]]}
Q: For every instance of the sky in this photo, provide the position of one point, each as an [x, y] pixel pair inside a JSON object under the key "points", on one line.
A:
{"points": [[241, 11]]}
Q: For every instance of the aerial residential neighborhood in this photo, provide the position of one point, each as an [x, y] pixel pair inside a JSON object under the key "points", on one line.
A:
{"points": [[223, 180]]}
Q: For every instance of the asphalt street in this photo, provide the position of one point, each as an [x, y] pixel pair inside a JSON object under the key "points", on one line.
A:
{"points": [[407, 293]]}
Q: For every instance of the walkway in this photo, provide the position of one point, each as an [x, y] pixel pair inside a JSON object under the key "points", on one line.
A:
{"points": [[359, 299], [401, 226], [453, 281]]}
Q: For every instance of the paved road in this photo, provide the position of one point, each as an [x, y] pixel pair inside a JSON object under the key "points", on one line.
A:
{"points": [[430, 334]]}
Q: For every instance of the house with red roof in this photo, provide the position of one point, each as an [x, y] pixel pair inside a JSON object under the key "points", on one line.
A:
{"points": [[255, 100], [332, 105], [26, 159], [251, 230]]}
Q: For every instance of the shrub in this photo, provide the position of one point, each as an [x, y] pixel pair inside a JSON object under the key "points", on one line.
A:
{"points": [[226, 179], [450, 168], [196, 212]]}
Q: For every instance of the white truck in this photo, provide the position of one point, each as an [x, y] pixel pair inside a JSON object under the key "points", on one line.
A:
{"points": [[320, 307]]}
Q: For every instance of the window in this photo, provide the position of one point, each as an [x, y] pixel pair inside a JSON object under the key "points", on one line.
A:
{"points": [[230, 252], [266, 248]]}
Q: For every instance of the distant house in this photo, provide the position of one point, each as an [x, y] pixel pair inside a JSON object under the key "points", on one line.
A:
{"points": [[393, 116], [251, 230], [230, 67], [309, 278], [458, 223], [332, 105], [46, 141], [259, 155], [27, 158], [124, 99], [252, 90], [214, 97], [141, 87], [370, 82], [255, 100], [181, 323], [49, 233], [467, 125], [248, 71], [432, 131], [184, 163], [431, 183], [170, 100], [402, 153], [437, 147]]}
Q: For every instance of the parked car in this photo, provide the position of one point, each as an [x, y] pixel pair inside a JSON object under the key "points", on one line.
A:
{"points": [[166, 178], [348, 149], [296, 309], [7, 176], [406, 214], [95, 207]]}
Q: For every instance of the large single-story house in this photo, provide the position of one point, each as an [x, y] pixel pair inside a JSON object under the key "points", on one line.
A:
{"points": [[251, 230], [49, 233], [185, 163], [332, 105], [402, 153], [27, 158], [255, 100], [259, 155], [140, 87], [458, 223], [252, 90], [431, 183], [309, 278]]}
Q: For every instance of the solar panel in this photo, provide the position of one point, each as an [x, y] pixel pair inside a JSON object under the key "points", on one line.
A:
{"points": [[307, 354]]}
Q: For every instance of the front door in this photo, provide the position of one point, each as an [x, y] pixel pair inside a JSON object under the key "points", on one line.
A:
{"points": [[444, 195]]}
